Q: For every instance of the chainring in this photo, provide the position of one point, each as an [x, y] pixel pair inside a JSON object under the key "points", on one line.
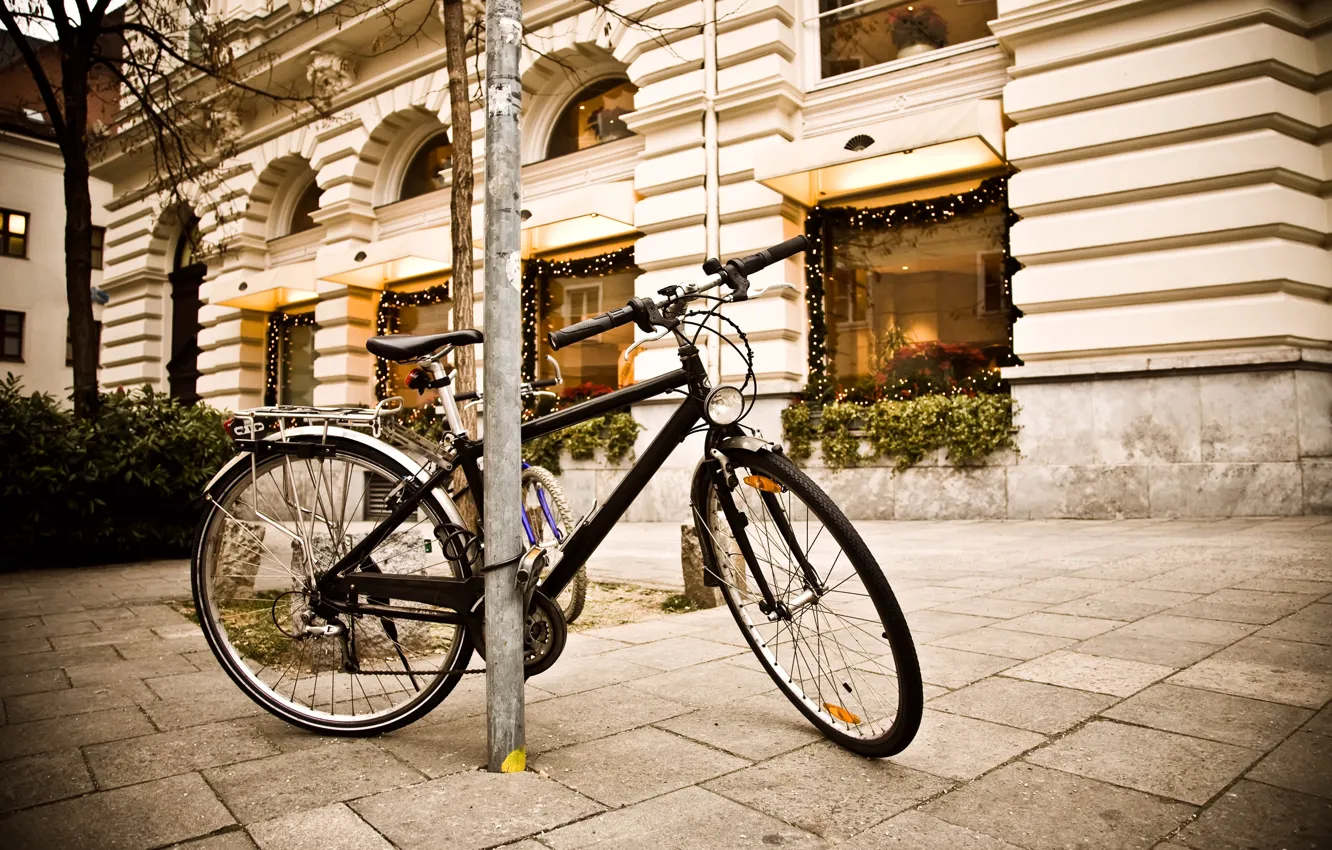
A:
{"points": [[544, 634]]}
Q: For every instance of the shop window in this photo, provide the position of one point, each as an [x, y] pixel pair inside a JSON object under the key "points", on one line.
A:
{"points": [[435, 318], [855, 34], [427, 171], [598, 361], [298, 378], [917, 306], [302, 217], [13, 233], [11, 336], [594, 117], [98, 239]]}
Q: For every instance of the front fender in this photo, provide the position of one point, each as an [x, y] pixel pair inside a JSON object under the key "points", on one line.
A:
{"points": [[415, 469]]}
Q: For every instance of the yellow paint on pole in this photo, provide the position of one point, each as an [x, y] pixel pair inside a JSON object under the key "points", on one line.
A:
{"points": [[515, 762]]}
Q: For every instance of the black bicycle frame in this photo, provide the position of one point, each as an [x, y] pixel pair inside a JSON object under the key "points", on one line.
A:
{"points": [[347, 581]]}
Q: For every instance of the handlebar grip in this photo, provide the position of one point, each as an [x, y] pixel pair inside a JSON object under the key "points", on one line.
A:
{"points": [[587, 328], [544, 382], [768, 256], [467, 396]]}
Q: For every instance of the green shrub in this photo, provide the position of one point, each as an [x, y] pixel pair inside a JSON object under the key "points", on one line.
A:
{"points": [[615, 433], [969, 427], [122, 486]]}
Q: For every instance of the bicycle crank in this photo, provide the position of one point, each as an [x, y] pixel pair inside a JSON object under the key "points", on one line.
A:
{"points": [[544, 634]]}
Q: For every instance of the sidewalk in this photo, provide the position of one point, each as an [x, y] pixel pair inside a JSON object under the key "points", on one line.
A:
{"points": [[1137, 684]]}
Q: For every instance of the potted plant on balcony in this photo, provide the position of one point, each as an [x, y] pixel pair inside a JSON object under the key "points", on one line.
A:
{"points": [[917, 29]]}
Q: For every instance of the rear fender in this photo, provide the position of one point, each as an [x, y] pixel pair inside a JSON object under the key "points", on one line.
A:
{"points": [[318, 432]]}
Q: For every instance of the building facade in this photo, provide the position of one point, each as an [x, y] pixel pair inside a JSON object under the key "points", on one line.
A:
{"points": [[1124, 206]]}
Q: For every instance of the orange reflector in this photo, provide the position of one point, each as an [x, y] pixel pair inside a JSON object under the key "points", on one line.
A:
{"points": [[767, 485], [841, 713]]}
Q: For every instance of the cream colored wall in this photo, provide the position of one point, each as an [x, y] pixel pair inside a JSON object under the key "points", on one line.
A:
{"points": [[1173, 172], [32, 181]]}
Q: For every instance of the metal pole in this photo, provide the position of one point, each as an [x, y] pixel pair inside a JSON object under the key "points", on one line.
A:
{"points": [[711, 168], [503, 353]]}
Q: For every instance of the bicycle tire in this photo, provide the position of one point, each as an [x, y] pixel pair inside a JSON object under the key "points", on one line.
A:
{"points": [[207, 565], [574, 597], [828, 713]]}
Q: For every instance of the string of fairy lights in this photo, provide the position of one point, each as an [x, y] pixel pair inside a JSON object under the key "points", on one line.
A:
{"points": [[386, 322], [536, 292], [820, 221], [277, 344]]}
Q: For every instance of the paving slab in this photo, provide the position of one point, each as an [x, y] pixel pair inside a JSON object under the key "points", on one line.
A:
{"points": [[942, 623], [954, 668], [674, 653], [914, 830], [101, 672], [137, 817], [688, 819], [1171, 627], [1162, 763], [958, 747], [633, 766], [1059, 625], [237, 839], [43, 778], [1123, 603], [1263, 668], [1162, 652], [1302, 763], [69, 701], [1245, 606], [468, 811], [1114, 676], [440, 749], [169, 753], [31, 662], [754, 728], [1034, 706], [1042, 809], [1256, 816], [706, 685], [36, 682], [564, 721], [573, 675], [991, 606], [278, 785], [1252, 723], [828, 791], [1310, 625], [1004, 642], [1053, 591], [333, 827]]}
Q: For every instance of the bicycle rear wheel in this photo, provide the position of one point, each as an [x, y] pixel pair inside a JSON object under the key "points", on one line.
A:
{"points": [[279, 522], [828, 630]]}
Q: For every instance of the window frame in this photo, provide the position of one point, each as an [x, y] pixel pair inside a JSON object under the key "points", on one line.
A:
{"points": [[4, 335], [97, 250], [616, 80], [5, 234], [812, 64]]}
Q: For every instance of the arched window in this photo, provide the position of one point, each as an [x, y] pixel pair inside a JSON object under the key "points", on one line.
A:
{"points": [[594, 117], [302, 216], [425, 174]]}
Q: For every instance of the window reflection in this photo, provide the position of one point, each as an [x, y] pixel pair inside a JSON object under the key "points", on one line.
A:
{"points": [[922, 304], [855, 35], [600, 360], [428, 169], [594, 117], [298, 376]]}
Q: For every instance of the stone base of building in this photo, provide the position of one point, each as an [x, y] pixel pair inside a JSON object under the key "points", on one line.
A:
{"points": [[1228, 435]]}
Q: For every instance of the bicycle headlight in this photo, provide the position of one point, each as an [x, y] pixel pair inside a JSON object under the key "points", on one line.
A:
{"points": [[723, 405]]}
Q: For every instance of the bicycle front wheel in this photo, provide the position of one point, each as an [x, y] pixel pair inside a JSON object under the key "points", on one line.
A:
{"points": [[277, 524], [812, 602]]}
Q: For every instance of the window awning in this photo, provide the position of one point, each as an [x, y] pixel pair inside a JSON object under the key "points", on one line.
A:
{"points": [[267, 290], [587, 214], [375, 266], [927, 145]]}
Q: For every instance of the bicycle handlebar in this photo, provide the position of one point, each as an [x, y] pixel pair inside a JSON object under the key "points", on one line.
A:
{"points": [[589, 328]]}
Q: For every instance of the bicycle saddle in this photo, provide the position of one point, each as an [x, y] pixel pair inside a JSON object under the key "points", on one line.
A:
{"points": [[401, 347]]}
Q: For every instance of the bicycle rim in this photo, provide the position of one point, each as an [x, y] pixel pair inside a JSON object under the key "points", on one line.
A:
{"points": [[836, 642], [278, 524]]}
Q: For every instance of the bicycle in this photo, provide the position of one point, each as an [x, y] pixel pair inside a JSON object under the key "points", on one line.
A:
{"points": [[356, 627], [546, 517]]}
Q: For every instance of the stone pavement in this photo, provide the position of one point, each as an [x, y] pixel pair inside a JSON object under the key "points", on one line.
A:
{"points": [[1137, 684]]}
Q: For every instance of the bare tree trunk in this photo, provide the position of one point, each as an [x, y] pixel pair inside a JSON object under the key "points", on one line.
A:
{"points": [[78, 237], [460, 204]]}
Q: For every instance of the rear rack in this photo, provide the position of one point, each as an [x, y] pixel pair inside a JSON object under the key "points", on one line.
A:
{"points": [[259, 422]]}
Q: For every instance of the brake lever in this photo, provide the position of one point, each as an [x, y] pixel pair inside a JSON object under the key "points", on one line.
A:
{"points": [[653, 338], [770, 287]]}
